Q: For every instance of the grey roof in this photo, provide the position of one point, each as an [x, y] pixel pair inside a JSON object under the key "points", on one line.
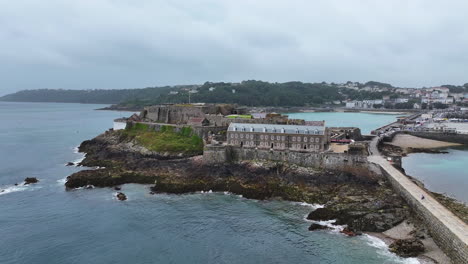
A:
{"points": [[277, 128]]}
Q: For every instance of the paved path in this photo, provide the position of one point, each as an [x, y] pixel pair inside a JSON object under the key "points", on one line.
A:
{"points": [[452, 222]]}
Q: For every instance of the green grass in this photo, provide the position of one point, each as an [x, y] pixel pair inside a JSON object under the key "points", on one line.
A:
{"points": [[167, 139], [239, 116]]}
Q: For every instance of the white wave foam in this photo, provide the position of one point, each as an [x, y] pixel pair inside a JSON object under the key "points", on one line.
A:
{"points": [[62, 181], [79, 160], [18, 188], [315, 206], [382, 249], [76, 150], [12, 189]]}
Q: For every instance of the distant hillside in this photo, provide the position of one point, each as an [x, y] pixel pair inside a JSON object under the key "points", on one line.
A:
{"points": [[256, 93], [248, 93], [85, 96]]}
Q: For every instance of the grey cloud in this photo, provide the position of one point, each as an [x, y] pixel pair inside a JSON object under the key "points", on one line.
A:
{"points": [[123, 43]]}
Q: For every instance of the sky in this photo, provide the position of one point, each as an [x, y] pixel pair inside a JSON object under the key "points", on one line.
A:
{"points": [[103, 44]]}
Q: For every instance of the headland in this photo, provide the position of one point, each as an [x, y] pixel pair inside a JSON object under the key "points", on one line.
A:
{"points": [[191, 148]]}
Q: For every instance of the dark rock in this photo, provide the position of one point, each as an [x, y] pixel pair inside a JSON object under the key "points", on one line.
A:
{"points": [[70, 164], [117, 188], [322, 214], [30, 180], [152, 193], [121, 196], [16, 184], [314, 226], [407, 247]]}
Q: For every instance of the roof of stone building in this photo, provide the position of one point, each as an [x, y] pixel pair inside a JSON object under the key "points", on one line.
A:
{"points": [[197, 120], [315, 123], [277, 128]]}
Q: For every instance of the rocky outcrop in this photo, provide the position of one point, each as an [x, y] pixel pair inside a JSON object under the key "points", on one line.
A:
{"points": [[362, 201], [121, 196], [314, 227], [411, 247], [30, 180]]}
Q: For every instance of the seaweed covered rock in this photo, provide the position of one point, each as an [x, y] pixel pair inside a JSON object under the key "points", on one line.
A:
{"points": [[411, 247], [121, 196], [30, 180]]}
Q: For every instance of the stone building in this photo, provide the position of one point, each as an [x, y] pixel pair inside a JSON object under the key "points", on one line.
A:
{"points": [[278, 137]]}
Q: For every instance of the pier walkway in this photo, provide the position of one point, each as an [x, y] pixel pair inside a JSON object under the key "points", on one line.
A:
{"points": [[449, 231]]}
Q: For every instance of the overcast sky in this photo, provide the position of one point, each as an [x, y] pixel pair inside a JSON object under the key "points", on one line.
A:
{"points": [[87, 44]]}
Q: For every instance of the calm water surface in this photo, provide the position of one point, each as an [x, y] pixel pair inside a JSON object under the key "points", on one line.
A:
{"points": [[365, 121], [443, 173], [43, 223]]}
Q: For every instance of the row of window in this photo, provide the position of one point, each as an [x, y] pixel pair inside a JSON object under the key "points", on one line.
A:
{"points": [[251, 129], [274, 145], [272, 137]]}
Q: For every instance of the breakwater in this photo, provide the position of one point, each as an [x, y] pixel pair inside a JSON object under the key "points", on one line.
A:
{"points": [[448, 231], [449, 137]]}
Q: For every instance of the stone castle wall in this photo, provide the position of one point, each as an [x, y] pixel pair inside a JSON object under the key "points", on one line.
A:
{"points": [[201, 131], [221, 154]]}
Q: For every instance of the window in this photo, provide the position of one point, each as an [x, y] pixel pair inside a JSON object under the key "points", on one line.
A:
{"points": [[283, 137], [261, 136], [317, 140], [282, 145], [237, 135], [242, 136], [305, 139], [232, 135], [298, 139], [294, 139], [278, 137], [272, 137]]}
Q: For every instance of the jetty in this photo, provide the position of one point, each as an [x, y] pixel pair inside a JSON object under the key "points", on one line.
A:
{"points": [[448, 231]]}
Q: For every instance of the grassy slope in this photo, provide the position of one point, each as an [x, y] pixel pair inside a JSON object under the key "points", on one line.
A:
{"points": [[166, 140]]}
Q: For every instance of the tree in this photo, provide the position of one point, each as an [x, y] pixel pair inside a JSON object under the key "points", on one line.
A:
{"points": [[440, 106]]}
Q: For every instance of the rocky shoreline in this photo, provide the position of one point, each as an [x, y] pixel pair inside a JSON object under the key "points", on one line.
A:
{"points": [[359, 199]]}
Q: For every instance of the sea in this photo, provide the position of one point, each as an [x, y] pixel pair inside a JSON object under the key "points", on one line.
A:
{"points": [[443, 173], [45, 224]]}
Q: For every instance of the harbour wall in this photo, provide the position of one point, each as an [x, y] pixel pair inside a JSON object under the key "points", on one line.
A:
{"points": [[450, 243], [449, 137]]}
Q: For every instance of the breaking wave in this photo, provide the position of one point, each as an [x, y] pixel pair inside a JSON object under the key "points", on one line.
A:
{"points": [[382, 249]]}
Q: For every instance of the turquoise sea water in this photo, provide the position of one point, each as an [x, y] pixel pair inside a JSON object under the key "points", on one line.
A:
{"points": [[365, 121], [443, 173], [44, 224]]}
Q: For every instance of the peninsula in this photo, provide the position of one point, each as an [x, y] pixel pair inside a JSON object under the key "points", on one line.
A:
{"points": [[184, 148]]}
